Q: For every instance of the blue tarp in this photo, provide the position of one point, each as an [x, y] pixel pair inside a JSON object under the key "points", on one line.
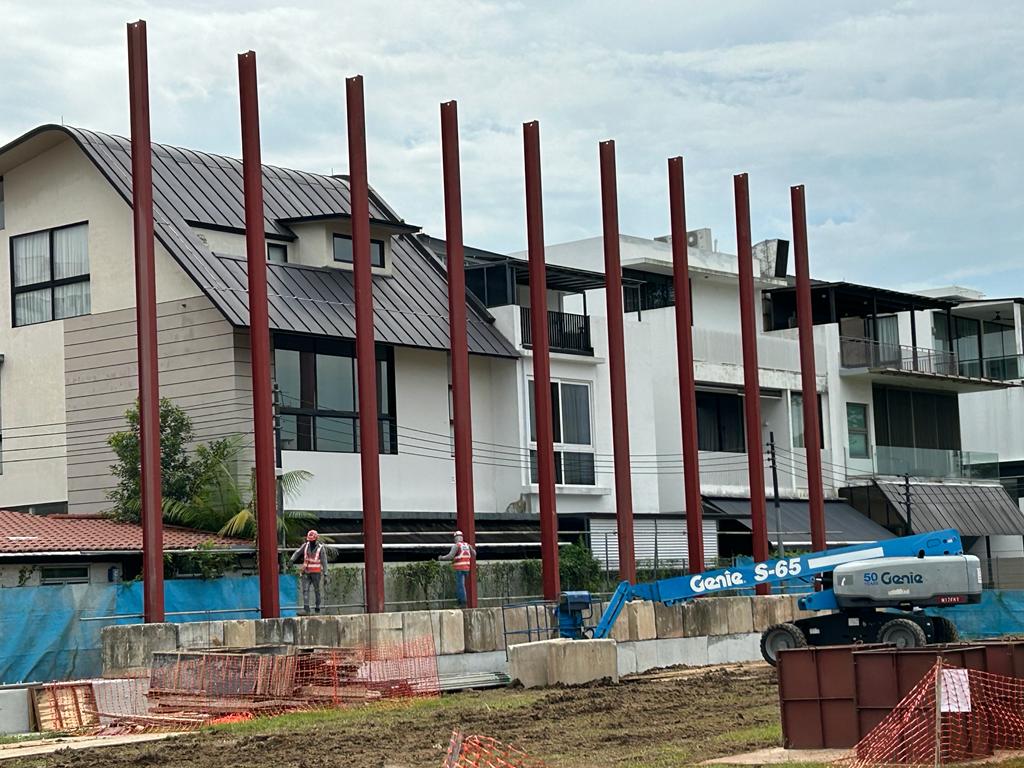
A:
{"points": [[1000, 613], [53, 632]]}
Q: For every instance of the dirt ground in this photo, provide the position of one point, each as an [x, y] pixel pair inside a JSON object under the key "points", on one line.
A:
{"points": [[672, 718]]}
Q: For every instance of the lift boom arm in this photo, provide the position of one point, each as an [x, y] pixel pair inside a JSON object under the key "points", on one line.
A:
{"points": [[680, 588]]}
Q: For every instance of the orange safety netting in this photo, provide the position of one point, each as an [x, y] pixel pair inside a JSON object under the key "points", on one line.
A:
{"points": [[187, 690], [485, 752], [952, 715]]}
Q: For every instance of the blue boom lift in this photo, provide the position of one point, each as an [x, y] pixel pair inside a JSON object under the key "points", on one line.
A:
{"points": [[902, 575]]}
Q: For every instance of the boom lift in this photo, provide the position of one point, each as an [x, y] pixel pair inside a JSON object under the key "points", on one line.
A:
{"points": [[903, 575]]}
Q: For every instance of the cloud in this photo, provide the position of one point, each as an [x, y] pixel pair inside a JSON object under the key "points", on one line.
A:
{"points": [[902, 119]]}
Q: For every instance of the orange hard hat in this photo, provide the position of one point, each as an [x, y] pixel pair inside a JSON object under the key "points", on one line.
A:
{"points": [[312, 536]]}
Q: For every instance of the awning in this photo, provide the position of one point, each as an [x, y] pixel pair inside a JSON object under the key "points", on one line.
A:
{"points": [[843, 523], [974, 510]]}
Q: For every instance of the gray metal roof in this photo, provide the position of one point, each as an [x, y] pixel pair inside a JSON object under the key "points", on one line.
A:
{"points": [[974, 510], [198, 188], [843, 523]]}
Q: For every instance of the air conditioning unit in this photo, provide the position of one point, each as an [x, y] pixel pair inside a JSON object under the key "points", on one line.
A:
{"points": [[700, 239]]}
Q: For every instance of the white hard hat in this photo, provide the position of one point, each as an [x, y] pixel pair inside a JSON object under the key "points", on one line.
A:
{"points": [[458, 533]]}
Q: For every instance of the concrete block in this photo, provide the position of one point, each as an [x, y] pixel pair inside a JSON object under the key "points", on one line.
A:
{"points": [[697, 617], [739, 613], [627, 658], [419, 626], [386, 629], [239, 633], [197, 635], [15, 709], [321, 631], [480, 628], [130, 647], [472, 663], [620, 629], [276, 631], [718, 614], [452, 632], [518, 621], [528, 663], [575, 662], [726, 649], [646, 652], [353, 630], [771, 609], [685, 651], [640, 621], [669, 620]]}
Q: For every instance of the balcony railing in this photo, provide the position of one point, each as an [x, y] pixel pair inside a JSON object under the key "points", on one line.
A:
{"points": [[866, 353], [997, 368], [935, 463], [566, 332]]}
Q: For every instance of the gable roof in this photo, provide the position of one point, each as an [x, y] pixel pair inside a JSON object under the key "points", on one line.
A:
{"points": [[36, 534], [193, 188]]}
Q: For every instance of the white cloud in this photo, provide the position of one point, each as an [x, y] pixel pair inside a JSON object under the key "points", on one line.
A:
{"points": [[902, 119]]}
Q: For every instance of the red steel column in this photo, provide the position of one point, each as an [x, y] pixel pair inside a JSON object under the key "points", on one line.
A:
{"points": [[809, 386], [145, 318], [457, 334], [366, 356], [617, 363], [751, 377], [684, 358], [259, 337], [541, 362]]}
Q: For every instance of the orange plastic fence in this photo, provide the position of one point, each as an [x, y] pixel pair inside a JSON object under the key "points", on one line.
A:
{"points": [[951, 716], [485, 752], [187, 690]]}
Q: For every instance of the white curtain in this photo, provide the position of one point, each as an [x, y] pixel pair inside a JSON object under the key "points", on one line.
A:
{"points": [[32, 307], [71, 300], [31, 259], [71, 252]]}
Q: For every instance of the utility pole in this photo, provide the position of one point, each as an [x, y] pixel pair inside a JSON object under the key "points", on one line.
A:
{"points": [[907, 504], [775, 494]]}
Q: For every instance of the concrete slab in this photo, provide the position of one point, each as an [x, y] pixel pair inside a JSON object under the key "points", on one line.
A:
{"points": [[646, 654], [15, 710], [769, 610], [729, 648], [687, 651], [480, 628], [385, 628], [668, 621], [528, 663], [353, 630], [196, 635], [780, 756], [452, 633], [575, 662], [419, 626], [239, 633], [640, 620], [471, 663], [49, 746], [739, 613], [276, 631], [626, 658], [700, 620], [129, 647], [318, 630]]}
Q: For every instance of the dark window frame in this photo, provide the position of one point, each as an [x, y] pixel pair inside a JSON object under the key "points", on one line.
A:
{"points": [[563, 449], [306, 416], [284, 250], [67, 579], [2, 200], [51, 283], [821, 420], [373, 241], [720, 399], [866, 431]]}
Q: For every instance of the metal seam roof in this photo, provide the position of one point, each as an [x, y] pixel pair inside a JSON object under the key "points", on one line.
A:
{"points": [[974, 510], [843, 523], [410, 306]]}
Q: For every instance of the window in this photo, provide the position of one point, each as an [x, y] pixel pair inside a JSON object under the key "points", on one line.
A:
{"points": [[277, 253], [911, 418], [797, 409], [64, 574], [50, 274], [1, 202], [571, 432], [720, 422], [650, 291], [343, 250], [857, 430], [319, 395]]}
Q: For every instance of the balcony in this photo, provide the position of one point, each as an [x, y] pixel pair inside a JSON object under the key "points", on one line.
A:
{"points": [[867, 353], [935, 463], [567, 333], [1007, 368]]}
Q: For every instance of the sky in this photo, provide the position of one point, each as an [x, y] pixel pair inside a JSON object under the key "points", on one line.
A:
{"points": [[904, 120]]}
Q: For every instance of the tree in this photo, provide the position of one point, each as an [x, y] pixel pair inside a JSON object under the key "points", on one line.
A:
{"points": [[221, 504], [578, 568], [180, 473]]}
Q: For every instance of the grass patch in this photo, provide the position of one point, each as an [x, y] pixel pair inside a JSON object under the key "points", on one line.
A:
{"points": [[17, 738]]}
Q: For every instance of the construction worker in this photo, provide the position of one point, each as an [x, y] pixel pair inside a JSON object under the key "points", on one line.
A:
{"points": [[461, 555], [314, 568]]}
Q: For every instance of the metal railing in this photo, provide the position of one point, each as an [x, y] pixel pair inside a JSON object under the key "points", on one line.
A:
{"points": [[1005, 368], [867, 353], [566, 332]]}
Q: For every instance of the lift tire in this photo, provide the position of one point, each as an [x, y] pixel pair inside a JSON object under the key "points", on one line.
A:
{"points": [[945, 630], [903, 633], [779, 637]]}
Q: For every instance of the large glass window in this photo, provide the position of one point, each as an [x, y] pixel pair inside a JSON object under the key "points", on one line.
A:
{"points": [[571, 431], [277, 253], [857, 430], [720, 422], [50, 274], [911, 418], [319, 395], [797, 410], [343, 250]]}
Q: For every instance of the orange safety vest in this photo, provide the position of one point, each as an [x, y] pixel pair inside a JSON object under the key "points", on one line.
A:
{"points": [[462, 557], [311, 562]]}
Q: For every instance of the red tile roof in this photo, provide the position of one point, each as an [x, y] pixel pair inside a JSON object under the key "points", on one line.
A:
{"points": [[20, 532]]}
